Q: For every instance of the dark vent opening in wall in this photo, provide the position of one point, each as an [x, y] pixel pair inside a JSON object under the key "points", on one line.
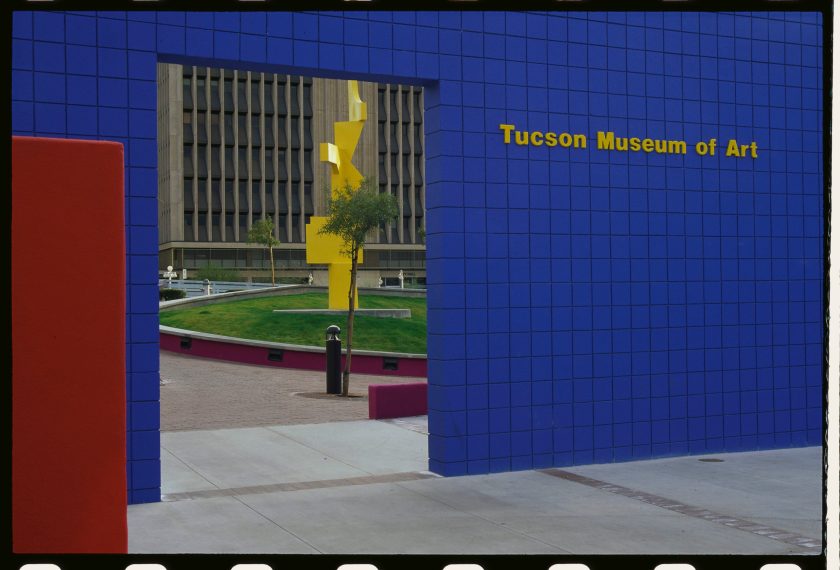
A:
{"points": [[390, 363], [275, 355], [186, 343]]}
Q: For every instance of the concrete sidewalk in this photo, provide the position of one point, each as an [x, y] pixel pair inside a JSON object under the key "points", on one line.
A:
{"points": [[362, 487]]}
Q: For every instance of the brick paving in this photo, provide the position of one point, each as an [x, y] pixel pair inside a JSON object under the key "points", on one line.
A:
{"points": [[200, 393]]}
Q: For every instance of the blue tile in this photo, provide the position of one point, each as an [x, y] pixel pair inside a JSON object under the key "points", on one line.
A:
{"points": [[48, 26], [22, 54], [113, 122], [139, 496], [145, 386], [448, 449], [225, 45], [112, 62], [144, 445], [305, 27], [144, 357], [447, 398], [144, 416], [50, 118], [142, 94], [81, 60], [82, 120], [279, 51], [172, 18], [253, 48], [356, 59], [171, 39], [227, 21], [145, 476], [23, 86], [428, 66], [141, 35], [478, 447], [111, 33], [141, 123], [22, 25], [280, 24], [448, 469], [448, 423], [113, 92], [142, 65], [144, 328], [253, 22], [23, 120], [48, 56]]}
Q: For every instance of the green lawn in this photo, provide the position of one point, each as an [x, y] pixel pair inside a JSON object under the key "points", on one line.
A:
{"points": [[254, 319]]}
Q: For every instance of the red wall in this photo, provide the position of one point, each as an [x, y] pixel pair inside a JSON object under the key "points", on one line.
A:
{"points": [[68, 347], [304, 360]]}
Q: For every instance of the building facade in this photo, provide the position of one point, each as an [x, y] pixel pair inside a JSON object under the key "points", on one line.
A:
{"points": [[584, 305], [238, 146]]}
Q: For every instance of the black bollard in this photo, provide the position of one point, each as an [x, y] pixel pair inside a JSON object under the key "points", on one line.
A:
{"points": [[333, 360]]}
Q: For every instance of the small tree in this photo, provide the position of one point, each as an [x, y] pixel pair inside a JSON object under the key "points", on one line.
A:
{"points": [[262, 232], [353, 213]]}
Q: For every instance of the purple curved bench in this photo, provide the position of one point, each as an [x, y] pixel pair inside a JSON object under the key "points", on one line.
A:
{"points": [[397, 400]]}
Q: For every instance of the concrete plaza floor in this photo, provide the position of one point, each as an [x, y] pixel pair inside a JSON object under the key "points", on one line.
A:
{"points": [[253, 465], [362, 487]]}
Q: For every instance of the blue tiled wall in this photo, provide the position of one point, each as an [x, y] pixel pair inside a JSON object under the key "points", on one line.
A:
{"points": [[584, 306]]}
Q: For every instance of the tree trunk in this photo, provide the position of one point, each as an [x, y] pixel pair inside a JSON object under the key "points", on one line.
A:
{"points": [[351, 313], [271, 257]]}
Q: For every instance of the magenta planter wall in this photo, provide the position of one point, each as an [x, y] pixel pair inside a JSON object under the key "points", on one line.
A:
{"points": [[282, 357]]}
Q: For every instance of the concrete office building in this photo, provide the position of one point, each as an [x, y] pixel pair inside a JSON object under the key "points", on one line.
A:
{"points": [[237, 146]]}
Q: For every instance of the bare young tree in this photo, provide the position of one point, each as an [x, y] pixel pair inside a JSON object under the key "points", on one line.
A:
{"points": [[262, 232], [353, 213]]}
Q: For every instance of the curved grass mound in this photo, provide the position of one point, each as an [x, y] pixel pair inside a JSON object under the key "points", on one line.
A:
{"points": [[254, 319]]}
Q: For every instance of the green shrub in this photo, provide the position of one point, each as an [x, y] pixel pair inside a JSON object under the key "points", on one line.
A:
{"points": [[172, 294], [215, 272]]}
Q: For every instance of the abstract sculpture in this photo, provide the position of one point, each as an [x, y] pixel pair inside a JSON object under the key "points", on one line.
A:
{"points": [[326, 248]]}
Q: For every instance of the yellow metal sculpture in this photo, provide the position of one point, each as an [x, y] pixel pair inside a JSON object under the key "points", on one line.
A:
{"points": [[326, 248]]}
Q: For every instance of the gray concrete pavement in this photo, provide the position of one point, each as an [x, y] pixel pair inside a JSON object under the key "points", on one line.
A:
{"points": [[740, 483], [231, 458], [361, 487]]}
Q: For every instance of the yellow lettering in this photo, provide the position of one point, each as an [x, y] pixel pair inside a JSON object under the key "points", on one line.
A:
{"points": [[536, 138], [550, 139], [606, 141], [676, 147], [647, 145], [521, 137], [507, 129], [635, 144], [732, 148], [753, 150], [565, 140], [580, 141]]}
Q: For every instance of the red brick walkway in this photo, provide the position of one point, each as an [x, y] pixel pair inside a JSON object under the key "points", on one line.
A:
{"points": [[199, 393]]}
